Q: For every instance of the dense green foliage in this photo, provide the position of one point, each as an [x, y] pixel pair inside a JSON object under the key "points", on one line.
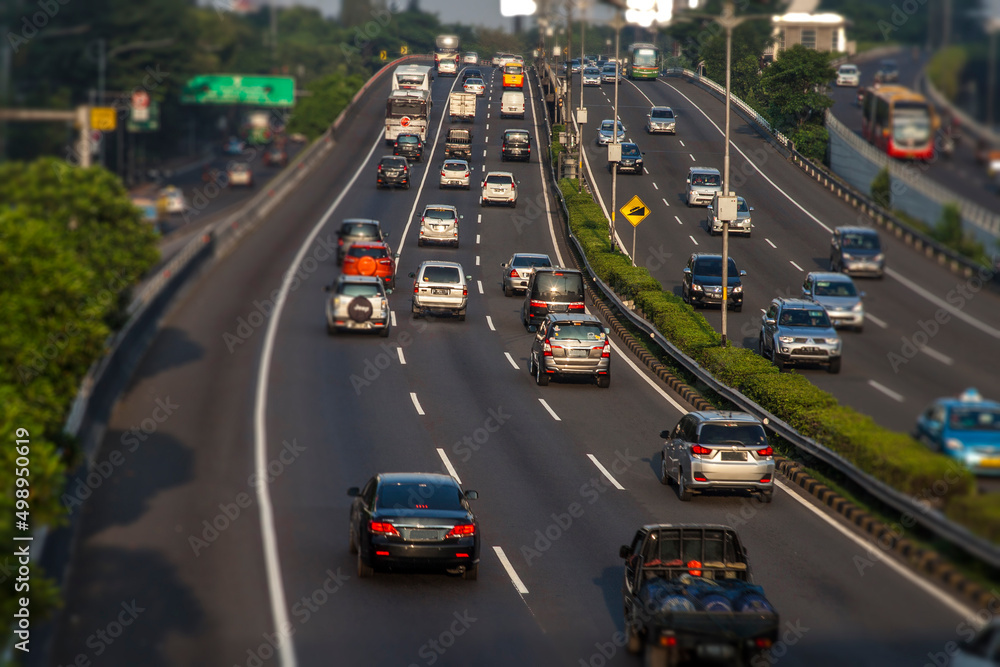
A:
{"points": [[945, 69], [881, 189], [329, 96], [895, 458], [811, 140], [71, 245], [794, 87]]}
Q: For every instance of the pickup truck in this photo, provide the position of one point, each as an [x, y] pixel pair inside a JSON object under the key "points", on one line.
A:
{"points": [[458, 143], [689, 596], [462, 106]]}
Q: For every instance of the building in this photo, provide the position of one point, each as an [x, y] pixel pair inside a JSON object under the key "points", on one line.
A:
{"points": [[823, 32]]}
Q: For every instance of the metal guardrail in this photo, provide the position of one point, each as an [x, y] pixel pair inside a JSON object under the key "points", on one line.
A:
{"points": [[932, 520]]}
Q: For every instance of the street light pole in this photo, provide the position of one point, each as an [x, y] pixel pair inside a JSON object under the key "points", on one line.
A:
{"points": [[614, 166], [579, 166], [727, 12]]}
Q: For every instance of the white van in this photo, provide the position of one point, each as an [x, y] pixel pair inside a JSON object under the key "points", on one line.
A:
{"points": [[512, 104]]}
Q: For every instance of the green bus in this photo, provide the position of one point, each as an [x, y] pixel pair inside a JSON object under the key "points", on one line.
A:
{"points": [[643, 61]]}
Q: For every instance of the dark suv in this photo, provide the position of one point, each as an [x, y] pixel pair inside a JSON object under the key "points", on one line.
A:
{"points": [[409, 146], [354, 230], [393, 170], [516, 146], [702, 282], [552, 290], [857, 251]]}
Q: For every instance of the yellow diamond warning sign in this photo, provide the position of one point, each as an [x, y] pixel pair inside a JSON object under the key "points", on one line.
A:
{"points": [[635, 211]]}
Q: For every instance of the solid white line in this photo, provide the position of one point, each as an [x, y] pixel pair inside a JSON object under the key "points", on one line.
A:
{"points": [[272, 561], [896, 396], [512, 362], [877, 321], [796, 265], [692, 157], [392, 316], [448, 466], [678, 220], [489, 321], [934, 354], [516, 580], [544, 180], [871, 549], [666, 202], [692, 239], [551, 411], [605, 472], [477, 239], [771, 244], [655, 186], [937, 301], [479, 283], [416, 403], [402, 359]]}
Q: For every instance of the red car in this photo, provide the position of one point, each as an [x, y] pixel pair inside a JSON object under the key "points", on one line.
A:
{"points": [[371, 259]]}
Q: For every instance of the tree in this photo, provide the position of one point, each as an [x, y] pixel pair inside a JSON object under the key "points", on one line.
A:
{"points": [[747, 46], [794, 87]]}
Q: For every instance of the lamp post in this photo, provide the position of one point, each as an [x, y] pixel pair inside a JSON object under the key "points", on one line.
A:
{"points": [[614, 166], [579, 166]]}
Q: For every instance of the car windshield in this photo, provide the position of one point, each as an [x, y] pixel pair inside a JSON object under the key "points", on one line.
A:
{"points": [[712, 266], [516, 137], [408, 139], [456, 166], [523, 261], [512, 69], [630, 150], [580, 331], [360, 230], [419, 496], [439, 214], [834, 288], [848, 69], [801, 317], [610, 69], [359, 289], [591, 70], [741, 206], [706, 179], [861, 241], [240, 167], [751, 435], [975, 419], [359, 251], [644, 58], [609, 125], [496, 179], [442, 274], [662, 113], [395, 162], [560, 286]]}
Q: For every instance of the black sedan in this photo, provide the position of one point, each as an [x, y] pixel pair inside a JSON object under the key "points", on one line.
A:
{"points": [[414, 520], [409, 146]]}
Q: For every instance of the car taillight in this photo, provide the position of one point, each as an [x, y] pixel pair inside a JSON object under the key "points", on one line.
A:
{"points": [[513, 186], [462, 530], [575, 306], [416, 288], [442, 173], [606, 352], [703, 451], [380, 168], [514, 273], [537, 304], [340, 241], [383, 528], [465, 290], [547, 349], [767, 451]]}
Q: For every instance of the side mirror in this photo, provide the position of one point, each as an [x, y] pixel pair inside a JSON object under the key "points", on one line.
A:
{"points": [[385, 235], [606, 330], [472, 495], [623, 551], [354, 492], [461, 217], [861, 295], [687, 270], [665, 435], [751, 208], [468, 277], [412, 274], [389, 291], [769, 321], [532, 328], [933, 425], [689, 181], [742, 273], [709, 207], [806, 292], [503, 265]]}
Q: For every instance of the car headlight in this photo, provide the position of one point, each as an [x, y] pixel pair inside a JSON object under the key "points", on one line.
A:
{"points": [[785, 339], [831, 341], [696, 288], [738, 289], [953, 444], [879, 257], [858, 307], [847, 256]]}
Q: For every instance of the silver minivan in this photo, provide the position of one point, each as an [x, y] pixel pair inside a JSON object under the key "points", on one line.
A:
{"points": [[439, 224], [703, 183], [440, 286]]}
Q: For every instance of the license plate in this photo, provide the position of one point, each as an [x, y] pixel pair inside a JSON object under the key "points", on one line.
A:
{"points": [[558, 308], [810, 350], [423, 535], [441, 292], [497, 192], [578, 353], [734, 456]]}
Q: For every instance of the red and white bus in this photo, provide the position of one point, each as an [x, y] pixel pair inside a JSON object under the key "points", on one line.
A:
{"points": [[899, 121]]}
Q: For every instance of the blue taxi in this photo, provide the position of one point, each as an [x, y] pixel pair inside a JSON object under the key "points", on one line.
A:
{"points": [[966, 428]]}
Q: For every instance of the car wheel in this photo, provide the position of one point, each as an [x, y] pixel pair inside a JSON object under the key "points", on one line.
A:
{"points": [[767, 496], [778, 363], [834, 366], [352, 545], [683, 492], [531, 365], [461, 315], [507, 291], [604, 381], [513, 204], [655, 656], [471, 573], [468, 187], [384, 331], [415, 310], [633, 642], [406, 186], [330, 329], [364, 569], [440, 186], [738, 308], [456, 243], [541, 377], [664, 475], [760, 345]]}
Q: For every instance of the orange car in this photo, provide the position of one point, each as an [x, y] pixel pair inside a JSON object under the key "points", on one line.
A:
{"points": [[371, 259]]}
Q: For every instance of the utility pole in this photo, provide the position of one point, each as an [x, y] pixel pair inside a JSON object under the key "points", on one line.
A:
{"points": [[579, 166], [614, 166]]}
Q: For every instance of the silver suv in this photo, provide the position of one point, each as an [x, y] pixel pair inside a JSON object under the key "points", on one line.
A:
{"points": [[797, 331], [517, 270], [357, 302], [742, 225], [836, 292], [661, 119], [715, 449], [703, 183], [439, 224], [499, 187], [440, 286], [570, 345]]}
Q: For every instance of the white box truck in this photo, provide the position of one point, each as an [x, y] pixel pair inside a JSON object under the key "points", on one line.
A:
{"points": [[462, 106]]}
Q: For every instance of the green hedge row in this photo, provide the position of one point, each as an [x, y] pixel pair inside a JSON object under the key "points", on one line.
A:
{"points": [[896, 458]]}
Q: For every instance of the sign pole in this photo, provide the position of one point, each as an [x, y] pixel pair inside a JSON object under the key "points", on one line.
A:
{"points": [[634, 229]]}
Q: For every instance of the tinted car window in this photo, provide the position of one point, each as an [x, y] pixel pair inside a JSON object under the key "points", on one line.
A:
{"points": [[720, 434], [559, 287], [662, 113], [498, 180], [975, 419], [419, 496], [630, 150], [439, 214], [516, 137], [442, 274], [360, 229], [583, 331], [512, 69], [455, 166], [363, 289], [706, 179], [530, 261], [741, 206], [712, 266], [831, 288], [408, 139], [393, 162], [861, 241], [357, 251], [474, 81], [800, 317]]}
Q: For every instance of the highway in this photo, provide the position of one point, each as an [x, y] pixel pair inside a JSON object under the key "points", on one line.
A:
{"points": [[896, 366], [960, 173], [271, 394]]}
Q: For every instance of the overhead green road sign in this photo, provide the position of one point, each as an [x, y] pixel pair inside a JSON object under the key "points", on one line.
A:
{"points": [[265, 91]]}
